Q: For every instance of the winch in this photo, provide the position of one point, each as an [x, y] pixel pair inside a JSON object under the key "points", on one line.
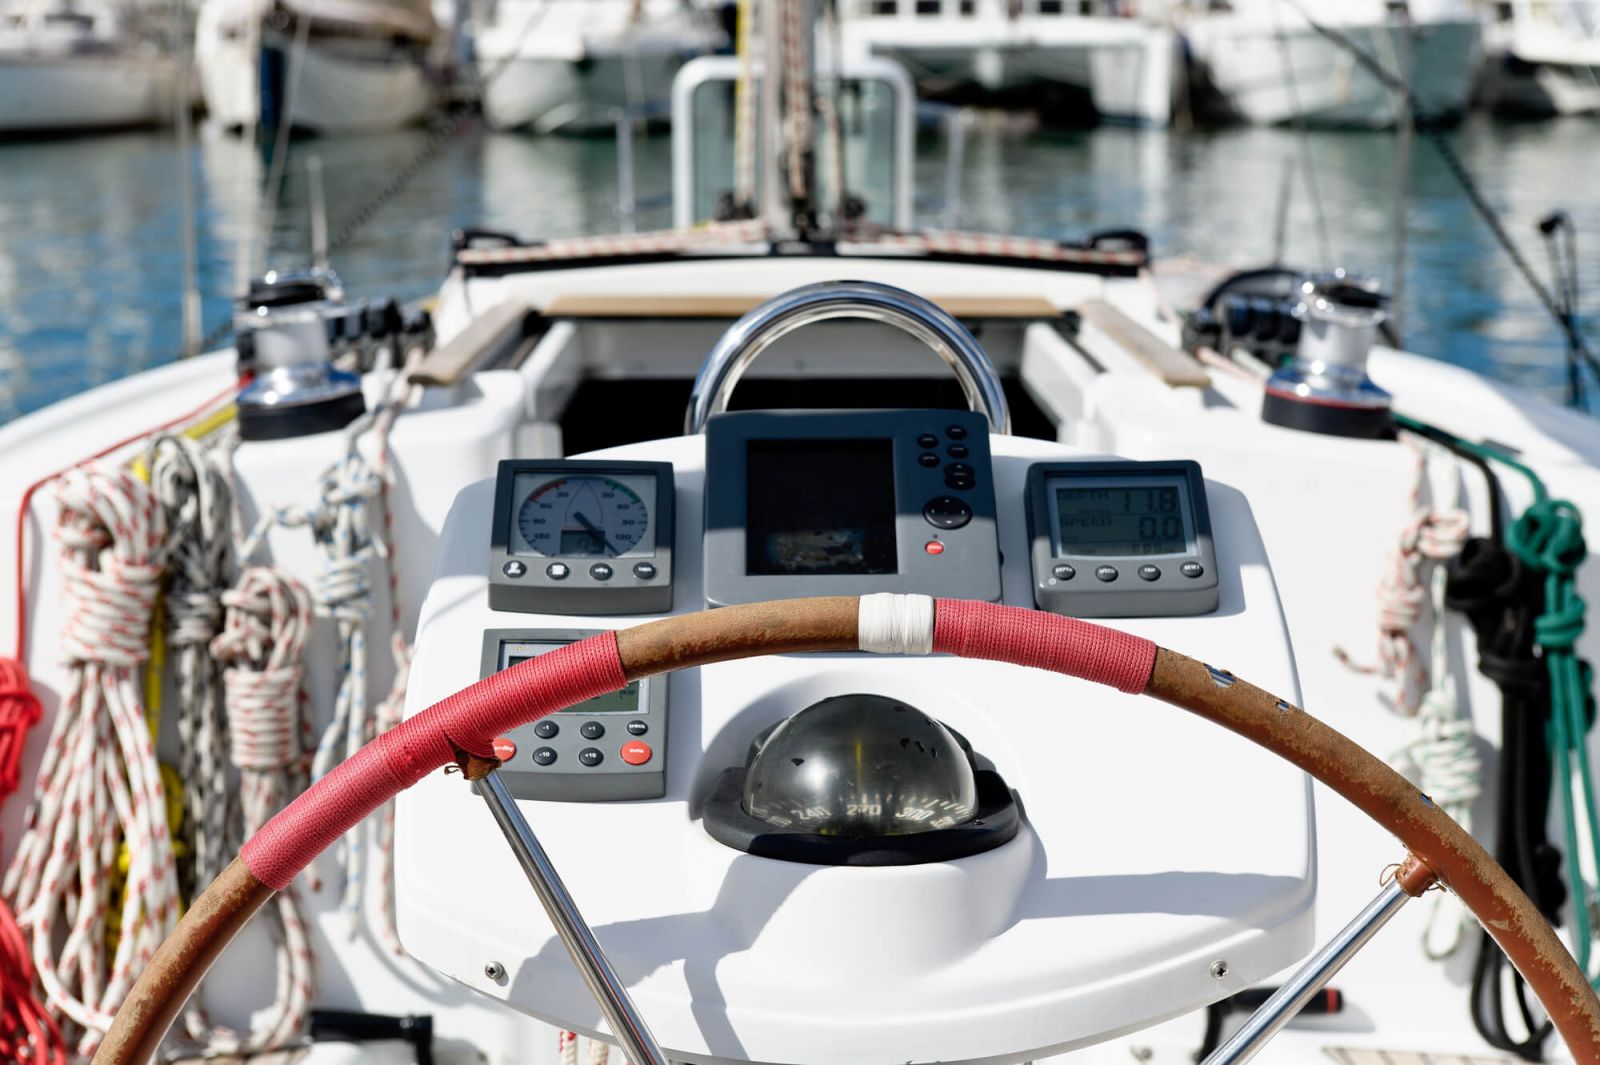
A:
{"points": [[284, 325]]}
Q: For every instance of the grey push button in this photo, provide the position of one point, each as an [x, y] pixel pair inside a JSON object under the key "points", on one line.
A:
{"points": [[947, 512], [514, 569], [1149, 572], [592, 730], [1192, 569], [547, 729], [1062, 571], [645, 571], [557, 571], [544, 756], [637, 728], [591, 757], [1106, 573], [600, 571]]}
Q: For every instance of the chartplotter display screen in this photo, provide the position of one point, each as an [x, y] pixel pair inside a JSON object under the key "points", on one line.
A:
{"points": [[820, 507], [1098, 518]]}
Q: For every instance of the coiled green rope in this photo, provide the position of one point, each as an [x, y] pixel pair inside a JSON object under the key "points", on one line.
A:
{"points": [[1548, 538]]}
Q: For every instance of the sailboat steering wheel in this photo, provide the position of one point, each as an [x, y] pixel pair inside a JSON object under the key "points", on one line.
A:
{"points": [[460, 730]]}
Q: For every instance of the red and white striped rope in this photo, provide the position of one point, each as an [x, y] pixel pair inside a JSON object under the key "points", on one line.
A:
{"points": [[99, 784], [1431, 533], [261, 648]]}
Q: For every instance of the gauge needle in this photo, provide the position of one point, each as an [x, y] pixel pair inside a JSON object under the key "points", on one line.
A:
{"points": [[593, 530]]}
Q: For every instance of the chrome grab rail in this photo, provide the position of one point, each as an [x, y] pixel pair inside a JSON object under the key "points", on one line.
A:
{"points": [[784, 313]]}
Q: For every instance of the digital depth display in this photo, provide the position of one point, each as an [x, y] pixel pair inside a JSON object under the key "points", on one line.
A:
{"points": [[820, 507], [1121, 520], [625, 701]]}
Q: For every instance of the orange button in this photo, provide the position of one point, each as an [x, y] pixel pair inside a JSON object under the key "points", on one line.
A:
{"points": [[636, 752], [504, 749], [933, 547]]}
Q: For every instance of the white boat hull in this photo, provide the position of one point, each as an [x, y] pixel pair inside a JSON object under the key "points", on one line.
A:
{"points": [[1246, 65], [335, 89], [1542, 72], [1121, 68], [578, 95], [42, 94]]}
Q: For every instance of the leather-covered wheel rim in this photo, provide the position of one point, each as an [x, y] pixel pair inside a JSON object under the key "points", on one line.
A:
{"points": [[460, 730]]}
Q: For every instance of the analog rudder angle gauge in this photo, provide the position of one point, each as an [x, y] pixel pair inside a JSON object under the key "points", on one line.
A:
{"points": [[573, 536]]}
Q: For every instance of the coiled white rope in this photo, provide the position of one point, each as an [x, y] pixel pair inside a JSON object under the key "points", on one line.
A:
{"points": [[99, 785], [342, 527], [261, 649], [195, 498], [1442, 759]]}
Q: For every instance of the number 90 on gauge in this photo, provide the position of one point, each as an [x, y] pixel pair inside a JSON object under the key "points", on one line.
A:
{"points": [[573, 536]]}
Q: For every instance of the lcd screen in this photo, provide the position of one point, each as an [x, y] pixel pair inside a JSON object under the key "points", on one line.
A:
{"points": [[625, 701], [1099, 518], [819, 507]]}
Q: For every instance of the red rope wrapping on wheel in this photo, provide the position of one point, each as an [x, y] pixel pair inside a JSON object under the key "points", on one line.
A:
{"points": [[1044, 641], [467, 721]]}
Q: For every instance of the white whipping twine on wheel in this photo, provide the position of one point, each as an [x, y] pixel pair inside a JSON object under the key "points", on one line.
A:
{"points": [[896, 624], [99, 785], [1442, 759], [342, 528], [260, 649]]}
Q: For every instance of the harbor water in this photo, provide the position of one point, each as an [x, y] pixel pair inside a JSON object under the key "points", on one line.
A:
{"points": [[90, 235]]}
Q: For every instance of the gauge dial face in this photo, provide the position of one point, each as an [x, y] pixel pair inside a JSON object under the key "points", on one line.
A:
{"points": [[584, 516]]}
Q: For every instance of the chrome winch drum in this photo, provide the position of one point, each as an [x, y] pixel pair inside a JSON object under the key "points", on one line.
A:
{"points": [[1325, 387], [283, 325]]}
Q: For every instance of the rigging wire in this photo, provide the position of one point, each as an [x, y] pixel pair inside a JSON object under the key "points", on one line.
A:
{"points": [[1302, 137]]}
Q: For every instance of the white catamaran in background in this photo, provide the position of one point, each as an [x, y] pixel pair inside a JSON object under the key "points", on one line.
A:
{"points": [[1265, 61], [575, 64], [72, 65], [320, 66], [1072, 60]]}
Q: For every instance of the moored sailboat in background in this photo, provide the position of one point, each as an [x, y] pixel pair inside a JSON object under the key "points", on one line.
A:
{"points": [[319, 66], [574, 64], [73, 65]]}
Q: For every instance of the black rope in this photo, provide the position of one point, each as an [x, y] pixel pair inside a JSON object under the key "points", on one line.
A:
{"points": [[1501, 599], [1468, 183]]}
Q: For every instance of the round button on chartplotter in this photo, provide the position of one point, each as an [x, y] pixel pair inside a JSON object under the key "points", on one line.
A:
{"points": [[591, 757], [1192, 569], [600, 571], [557, 571], [1106, 573], [1149, 572], [645, 571], [1063, 571], [544, 756], [547, 729], [929, 459], [635, 752], [947, 512], [592, 730], [514, 569], [637, 728]]}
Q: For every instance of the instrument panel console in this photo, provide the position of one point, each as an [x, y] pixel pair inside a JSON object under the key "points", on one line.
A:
{"points": [[608, 748], [1121, 539]]}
